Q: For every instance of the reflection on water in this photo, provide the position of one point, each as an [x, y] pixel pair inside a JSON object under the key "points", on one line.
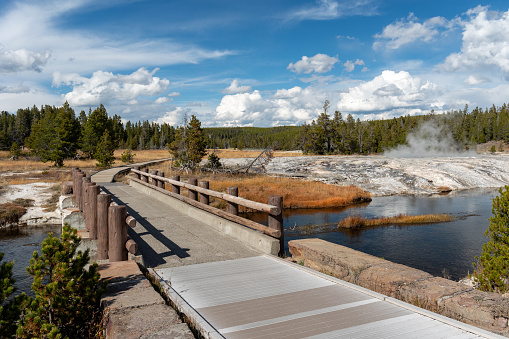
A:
{"points": [[434, 248], [19, 244]]}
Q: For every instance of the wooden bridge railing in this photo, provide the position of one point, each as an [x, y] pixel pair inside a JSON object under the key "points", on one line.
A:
{"points": [[106, 221], [199, 194]]}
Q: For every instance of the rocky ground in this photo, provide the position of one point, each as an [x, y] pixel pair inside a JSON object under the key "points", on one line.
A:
{"points": [[383, 175], [40, 193]]}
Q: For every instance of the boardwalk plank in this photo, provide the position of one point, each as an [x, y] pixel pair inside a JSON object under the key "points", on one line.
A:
{"points": [[263, 297]]}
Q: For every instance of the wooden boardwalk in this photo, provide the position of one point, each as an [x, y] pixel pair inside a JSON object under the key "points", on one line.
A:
{"points": [[267, 297]]}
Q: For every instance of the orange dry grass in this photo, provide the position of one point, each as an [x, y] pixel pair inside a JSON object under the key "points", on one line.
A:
{"points": [[234, 153], [142, 155], [356, 221], [296, 193], [53, 175], [24, 165]]}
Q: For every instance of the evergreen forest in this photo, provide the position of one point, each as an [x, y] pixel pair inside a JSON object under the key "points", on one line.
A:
{"points": [[55, 133]]}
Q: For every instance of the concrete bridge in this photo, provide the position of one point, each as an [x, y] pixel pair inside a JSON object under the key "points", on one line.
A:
{"points": [[228, 281]]}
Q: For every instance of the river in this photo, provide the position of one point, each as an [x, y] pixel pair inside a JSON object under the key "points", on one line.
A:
{"points": [[442, 249], [19, 244]]}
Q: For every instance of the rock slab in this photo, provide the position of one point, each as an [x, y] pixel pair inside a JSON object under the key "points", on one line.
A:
{"points": [[133, 309], [489, 311]]}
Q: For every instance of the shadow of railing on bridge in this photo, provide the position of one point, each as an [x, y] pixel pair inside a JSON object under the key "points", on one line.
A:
{"points": [[151, 257]]}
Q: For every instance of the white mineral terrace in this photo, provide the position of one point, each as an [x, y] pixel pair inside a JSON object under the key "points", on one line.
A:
{"points": [[382, 175]]}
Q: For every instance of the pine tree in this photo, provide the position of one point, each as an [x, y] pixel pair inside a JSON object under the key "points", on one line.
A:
{"points": [[188, 148], [10, 311], [54, 137], [66, 294], [492, 268], [127, 156], [15, 150], [104, 151], [214, 162], [93, 129]]}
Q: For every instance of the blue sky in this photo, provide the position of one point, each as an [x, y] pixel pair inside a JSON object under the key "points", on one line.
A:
{"points": [[254, 63]]}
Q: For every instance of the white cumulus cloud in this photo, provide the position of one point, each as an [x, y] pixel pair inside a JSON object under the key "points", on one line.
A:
{"points": [[350, 65], [173, 117], [106, 87], [285, 107], [235, 88], [163, 100], [409, 30], [320, 63], [19, 60], [388, 91], [485, 42], [476, 79]]}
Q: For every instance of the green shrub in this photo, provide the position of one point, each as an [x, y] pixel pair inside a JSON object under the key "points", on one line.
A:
{"points": [[10, 213], [214, 161], [127, 156], [10, 310], [492, 268], [67, 295]]}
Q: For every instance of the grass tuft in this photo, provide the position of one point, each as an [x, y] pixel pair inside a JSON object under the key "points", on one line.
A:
{"points": [[356, 221], [10, 213], [23, 202]]}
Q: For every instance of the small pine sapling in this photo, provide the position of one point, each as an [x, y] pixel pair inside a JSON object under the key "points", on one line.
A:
{"points": [[10, 309], [66, 294], [104, 151], [15, 151], [214, 162], [492, 268], [128, 156]]}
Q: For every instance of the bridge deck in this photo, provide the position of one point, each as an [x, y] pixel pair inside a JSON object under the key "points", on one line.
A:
{"points": [[167, 237], [266, 297]]}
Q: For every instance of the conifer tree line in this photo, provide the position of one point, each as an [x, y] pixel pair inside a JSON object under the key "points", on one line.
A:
{"points": [[56, 133], [345, 135]]}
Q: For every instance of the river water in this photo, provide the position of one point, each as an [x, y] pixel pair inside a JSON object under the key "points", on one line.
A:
{"points": [[443, 249], [19, 244]]}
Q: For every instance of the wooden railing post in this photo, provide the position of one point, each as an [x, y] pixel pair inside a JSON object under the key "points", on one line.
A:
{"points": [[86, 210], [103, 203], [204, 198], [276, 221], [117, 233], [137, 175], [231, 207], [144, 178], [174, 188], [192, 193], [161, 183], [78, 185], [154, 180], [91, 220], [84, 181], [74, 174]]}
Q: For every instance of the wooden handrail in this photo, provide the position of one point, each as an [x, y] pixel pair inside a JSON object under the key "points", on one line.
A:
{"points": [[274, 210], [246, 222]]}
